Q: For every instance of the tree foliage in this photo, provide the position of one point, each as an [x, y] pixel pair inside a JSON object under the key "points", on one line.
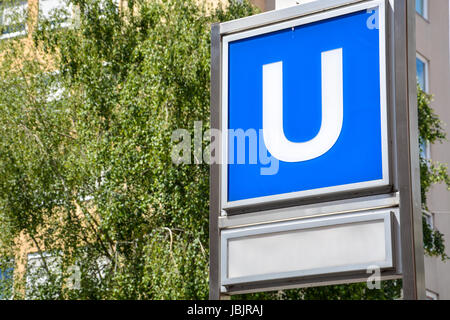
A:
{"points": [[86, 118], [85, 160]]}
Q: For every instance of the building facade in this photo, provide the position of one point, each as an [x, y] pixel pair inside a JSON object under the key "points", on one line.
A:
{"points": [[433, 72]]}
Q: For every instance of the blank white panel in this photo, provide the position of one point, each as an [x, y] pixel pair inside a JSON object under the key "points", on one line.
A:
{"points": [[327, 247]]}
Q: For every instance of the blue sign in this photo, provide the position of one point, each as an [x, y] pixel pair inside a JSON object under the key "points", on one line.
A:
{"points": [[305, 109]]}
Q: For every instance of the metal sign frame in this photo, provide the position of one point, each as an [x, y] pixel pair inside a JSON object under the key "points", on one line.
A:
{"points": [[403, 194]]}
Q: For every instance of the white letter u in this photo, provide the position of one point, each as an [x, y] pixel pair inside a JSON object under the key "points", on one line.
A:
{"points": [[332, 111]]}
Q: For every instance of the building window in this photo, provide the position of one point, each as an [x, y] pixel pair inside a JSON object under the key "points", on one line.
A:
{"points": [[422, 8], [37, 277], [425, 150], [13, 19], [422, 79], [422, 72], [429, 218], [432, 295], [6, 279]]}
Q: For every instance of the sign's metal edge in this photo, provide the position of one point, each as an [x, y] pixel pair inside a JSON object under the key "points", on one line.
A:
{"points": [[276, 16], [310, 211]]}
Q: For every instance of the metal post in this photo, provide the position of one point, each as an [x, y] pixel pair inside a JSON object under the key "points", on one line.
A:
{"points": [[214, 197], [408, 169]]}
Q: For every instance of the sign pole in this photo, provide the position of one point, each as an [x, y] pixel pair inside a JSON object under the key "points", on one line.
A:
{"points": [[408, 150], [214, 203]]}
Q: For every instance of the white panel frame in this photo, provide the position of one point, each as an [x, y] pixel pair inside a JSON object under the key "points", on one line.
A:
{"points": [[384, 182]]}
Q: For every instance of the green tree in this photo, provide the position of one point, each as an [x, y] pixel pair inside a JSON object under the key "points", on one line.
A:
{"points": [[86, 172], [86, 120]]}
